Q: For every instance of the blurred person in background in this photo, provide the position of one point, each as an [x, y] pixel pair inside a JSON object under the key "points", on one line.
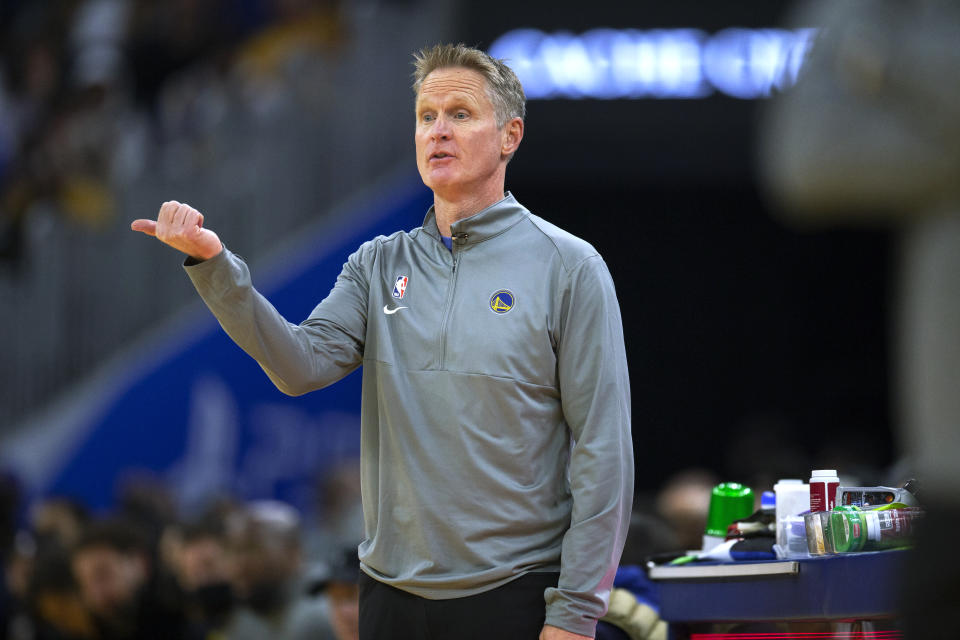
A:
{"points": [[55, 608], [33, 59], [684, 502], [266, 567], [497, 458], [870, 134], [203, 570], [298, 28], [147, 502], [340, 588], [67, 78], [112, 565], [48, 602]]}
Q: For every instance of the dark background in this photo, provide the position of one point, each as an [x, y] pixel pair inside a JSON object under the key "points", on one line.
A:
{"points": [[743, 333]]}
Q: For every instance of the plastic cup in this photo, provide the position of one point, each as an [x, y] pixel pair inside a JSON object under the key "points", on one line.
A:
{"points": [[729, 502]]}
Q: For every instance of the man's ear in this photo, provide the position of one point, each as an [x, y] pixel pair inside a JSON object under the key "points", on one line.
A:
{"points": [[512, 135]]}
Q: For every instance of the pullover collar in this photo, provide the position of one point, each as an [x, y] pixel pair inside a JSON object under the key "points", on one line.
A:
{"points": [[482, 225]]}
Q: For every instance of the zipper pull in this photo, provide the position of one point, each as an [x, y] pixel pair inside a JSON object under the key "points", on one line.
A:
{"points": [[460, 238]]}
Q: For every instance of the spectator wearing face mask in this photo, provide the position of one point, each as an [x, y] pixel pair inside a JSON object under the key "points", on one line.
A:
{"points": [[267, 578], [202, 569]]}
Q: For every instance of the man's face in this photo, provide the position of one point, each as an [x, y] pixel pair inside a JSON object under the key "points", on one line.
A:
{"points": [[108, 579], [459, 146]]}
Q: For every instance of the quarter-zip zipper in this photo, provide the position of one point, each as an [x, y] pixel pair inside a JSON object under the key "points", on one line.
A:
{"points": [[458, 240]]}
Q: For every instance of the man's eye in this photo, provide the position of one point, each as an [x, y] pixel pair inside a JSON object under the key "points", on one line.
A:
{"points": [[460, 116], [427, 117]]}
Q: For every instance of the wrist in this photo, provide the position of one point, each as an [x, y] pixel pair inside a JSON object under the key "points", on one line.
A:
{"points": [[206, 255]]}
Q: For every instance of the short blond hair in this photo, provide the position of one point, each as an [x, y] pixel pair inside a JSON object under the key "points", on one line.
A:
{"points": [[503, 86]]}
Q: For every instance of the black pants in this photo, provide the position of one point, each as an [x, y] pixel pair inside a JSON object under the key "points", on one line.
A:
{"points": [[514, 611]]}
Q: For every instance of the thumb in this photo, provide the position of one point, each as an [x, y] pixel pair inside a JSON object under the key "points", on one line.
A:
{"points": [[148, 227]]}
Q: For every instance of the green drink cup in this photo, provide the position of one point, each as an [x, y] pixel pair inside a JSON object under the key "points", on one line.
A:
{"points": [[729, 502]]}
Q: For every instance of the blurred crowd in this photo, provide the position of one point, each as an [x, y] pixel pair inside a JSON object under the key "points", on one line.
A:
{"points": [[234, 571], [89, 87]]}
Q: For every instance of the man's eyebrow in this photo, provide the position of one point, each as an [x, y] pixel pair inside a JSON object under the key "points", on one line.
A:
{"points": [[460, 102], [456, 102]]}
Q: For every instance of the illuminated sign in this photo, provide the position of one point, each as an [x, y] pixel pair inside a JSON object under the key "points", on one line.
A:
{"points": [[661, 63]]}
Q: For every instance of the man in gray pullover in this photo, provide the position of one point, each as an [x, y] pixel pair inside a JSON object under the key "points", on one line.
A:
{"points": [[497, 461]]}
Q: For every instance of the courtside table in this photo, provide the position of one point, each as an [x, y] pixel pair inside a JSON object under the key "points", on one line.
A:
{"points": [[851, 596]]}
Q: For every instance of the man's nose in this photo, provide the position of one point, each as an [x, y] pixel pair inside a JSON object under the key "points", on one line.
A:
{"points": [[441, 129]]}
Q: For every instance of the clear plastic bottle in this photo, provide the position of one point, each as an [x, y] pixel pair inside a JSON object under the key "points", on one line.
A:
{"points": [[792, 498]]}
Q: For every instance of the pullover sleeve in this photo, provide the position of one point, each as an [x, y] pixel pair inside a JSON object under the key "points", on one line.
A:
{"points": [[297, 358], [595, 392]]}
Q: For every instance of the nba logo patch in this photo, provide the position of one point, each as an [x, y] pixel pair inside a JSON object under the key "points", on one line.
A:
{"points": [[400, 287], [502, 301]]}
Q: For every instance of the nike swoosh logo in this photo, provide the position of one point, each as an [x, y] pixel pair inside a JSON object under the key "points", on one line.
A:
{"points": [[387, 310]]}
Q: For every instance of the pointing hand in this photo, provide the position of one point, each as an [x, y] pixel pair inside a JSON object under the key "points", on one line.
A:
{"points": [[181, 227]]}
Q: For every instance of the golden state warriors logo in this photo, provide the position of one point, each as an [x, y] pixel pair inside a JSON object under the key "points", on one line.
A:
{"points": [[502, 301]]}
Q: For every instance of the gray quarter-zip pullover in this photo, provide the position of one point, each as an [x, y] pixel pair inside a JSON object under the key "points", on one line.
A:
{"points": [[495, 419]]}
